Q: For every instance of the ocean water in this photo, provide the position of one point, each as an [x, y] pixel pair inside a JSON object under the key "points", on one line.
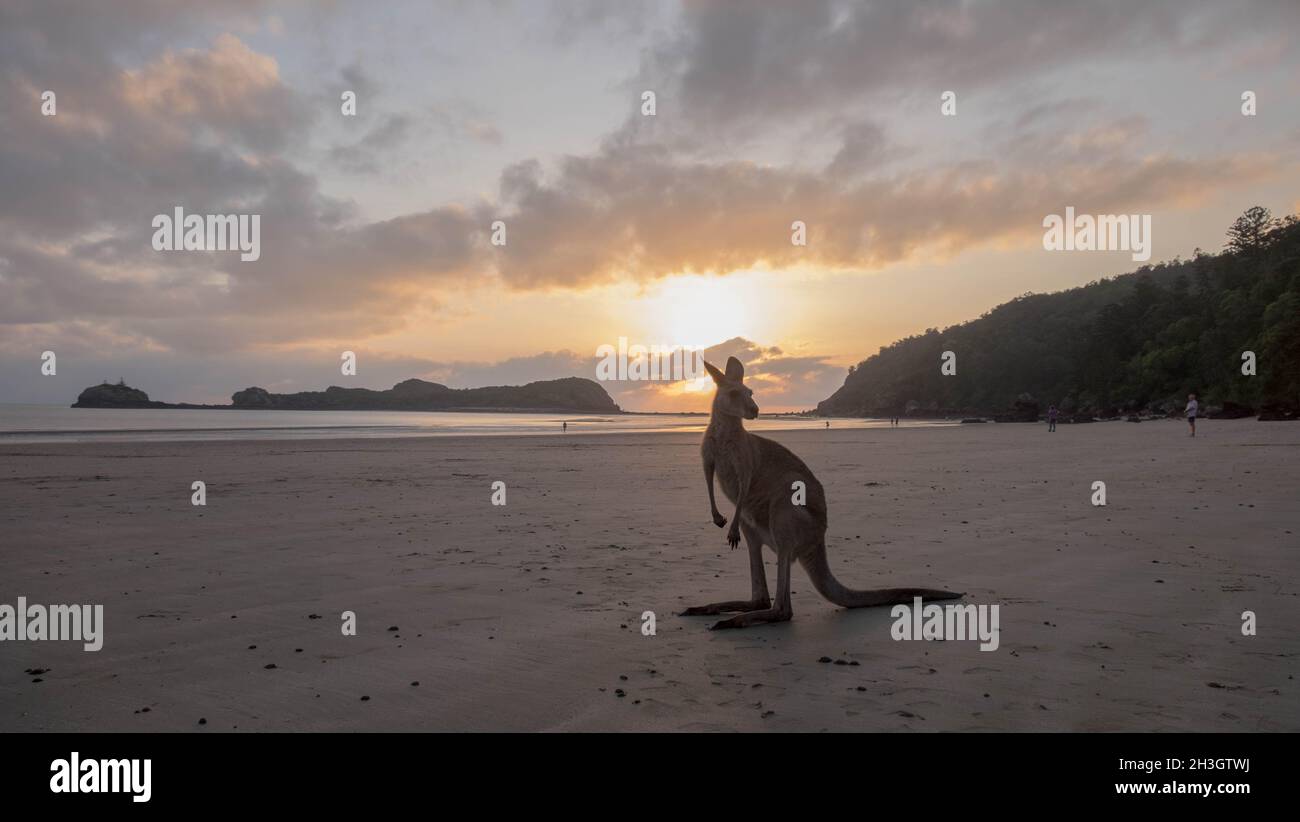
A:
{"points": [[58, 423]]}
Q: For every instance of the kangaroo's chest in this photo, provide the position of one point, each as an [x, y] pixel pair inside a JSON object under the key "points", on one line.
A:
{"points": [[731, 462]]}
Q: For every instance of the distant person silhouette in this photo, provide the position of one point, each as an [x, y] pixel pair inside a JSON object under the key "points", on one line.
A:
{"points": [[1051, 419], [1190, 411], [828, 423], [564, 426]]}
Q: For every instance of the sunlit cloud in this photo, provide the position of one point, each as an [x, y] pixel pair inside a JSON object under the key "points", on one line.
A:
{"points": [[676, 228]]}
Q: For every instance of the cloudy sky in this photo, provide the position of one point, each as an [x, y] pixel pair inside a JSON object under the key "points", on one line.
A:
{"points": [[672, 229]]}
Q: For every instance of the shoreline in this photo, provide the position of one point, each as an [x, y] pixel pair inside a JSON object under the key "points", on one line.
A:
{"points": [[42, 424], [364, 432]]}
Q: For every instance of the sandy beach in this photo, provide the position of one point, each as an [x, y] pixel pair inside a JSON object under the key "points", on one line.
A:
{"points": [[528, 616]]}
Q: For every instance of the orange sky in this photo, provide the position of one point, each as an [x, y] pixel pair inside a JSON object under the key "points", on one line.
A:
{"points": [[671, 229]]}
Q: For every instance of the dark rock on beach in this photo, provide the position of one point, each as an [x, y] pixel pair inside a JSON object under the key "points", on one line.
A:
{"points": [[1024, 409], [1231, 411], [1278, 413]]}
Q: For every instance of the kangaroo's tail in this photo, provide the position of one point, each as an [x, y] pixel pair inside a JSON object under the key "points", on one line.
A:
{"points": [[819, 571]]}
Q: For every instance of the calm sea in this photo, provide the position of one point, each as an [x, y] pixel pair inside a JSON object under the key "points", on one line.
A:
{"points": [[58, 423]]}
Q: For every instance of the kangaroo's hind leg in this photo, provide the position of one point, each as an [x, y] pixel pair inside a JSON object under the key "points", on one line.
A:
{"points": [[791, 528], [759, 598], [781, 611]]}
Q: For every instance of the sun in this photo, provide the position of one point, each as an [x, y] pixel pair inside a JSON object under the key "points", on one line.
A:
{"points": [[698, 311]]}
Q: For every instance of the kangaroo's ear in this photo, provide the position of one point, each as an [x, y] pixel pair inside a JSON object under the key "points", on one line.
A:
{"points": [[735, 371], [713, 372]]}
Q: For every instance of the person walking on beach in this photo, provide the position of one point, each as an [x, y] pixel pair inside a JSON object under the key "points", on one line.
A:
{"points": [[1051, 418], [1190, 411], [564, 427]]}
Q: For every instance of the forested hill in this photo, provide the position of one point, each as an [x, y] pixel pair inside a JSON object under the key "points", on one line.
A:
{"points": [[572, 394], [1136, 342]]}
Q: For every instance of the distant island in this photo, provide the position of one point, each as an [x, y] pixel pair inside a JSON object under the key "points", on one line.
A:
{"points": [[571, 394], [1225, 327]]}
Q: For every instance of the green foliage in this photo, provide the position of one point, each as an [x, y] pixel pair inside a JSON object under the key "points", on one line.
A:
{"points": [[1249, 231], [1141, 340]]}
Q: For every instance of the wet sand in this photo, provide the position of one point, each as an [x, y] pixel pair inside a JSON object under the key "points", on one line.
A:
{"points": [[527, 616]]}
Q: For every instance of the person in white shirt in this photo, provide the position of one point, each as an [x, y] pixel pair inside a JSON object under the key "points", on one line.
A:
{"points": [[1190, 410]]}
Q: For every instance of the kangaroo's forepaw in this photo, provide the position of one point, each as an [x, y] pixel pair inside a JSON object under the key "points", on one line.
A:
{"points": [[719, 520], [764, 617]]}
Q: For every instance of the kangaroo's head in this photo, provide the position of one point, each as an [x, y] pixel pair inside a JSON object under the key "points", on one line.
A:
{"points": [[732, 399]]}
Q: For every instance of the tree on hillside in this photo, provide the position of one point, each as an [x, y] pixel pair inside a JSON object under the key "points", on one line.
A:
{"points": [[1248, 232]]}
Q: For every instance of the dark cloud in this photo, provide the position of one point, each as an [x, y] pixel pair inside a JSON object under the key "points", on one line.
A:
{"points": [[641, 212], [209, 130], [366, 155], [443, 125], [145, 125], [863, 147], [735, 65], [354, 78]]}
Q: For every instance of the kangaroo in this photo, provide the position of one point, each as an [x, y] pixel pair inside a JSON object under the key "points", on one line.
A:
{"points": [[757, 475]]}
